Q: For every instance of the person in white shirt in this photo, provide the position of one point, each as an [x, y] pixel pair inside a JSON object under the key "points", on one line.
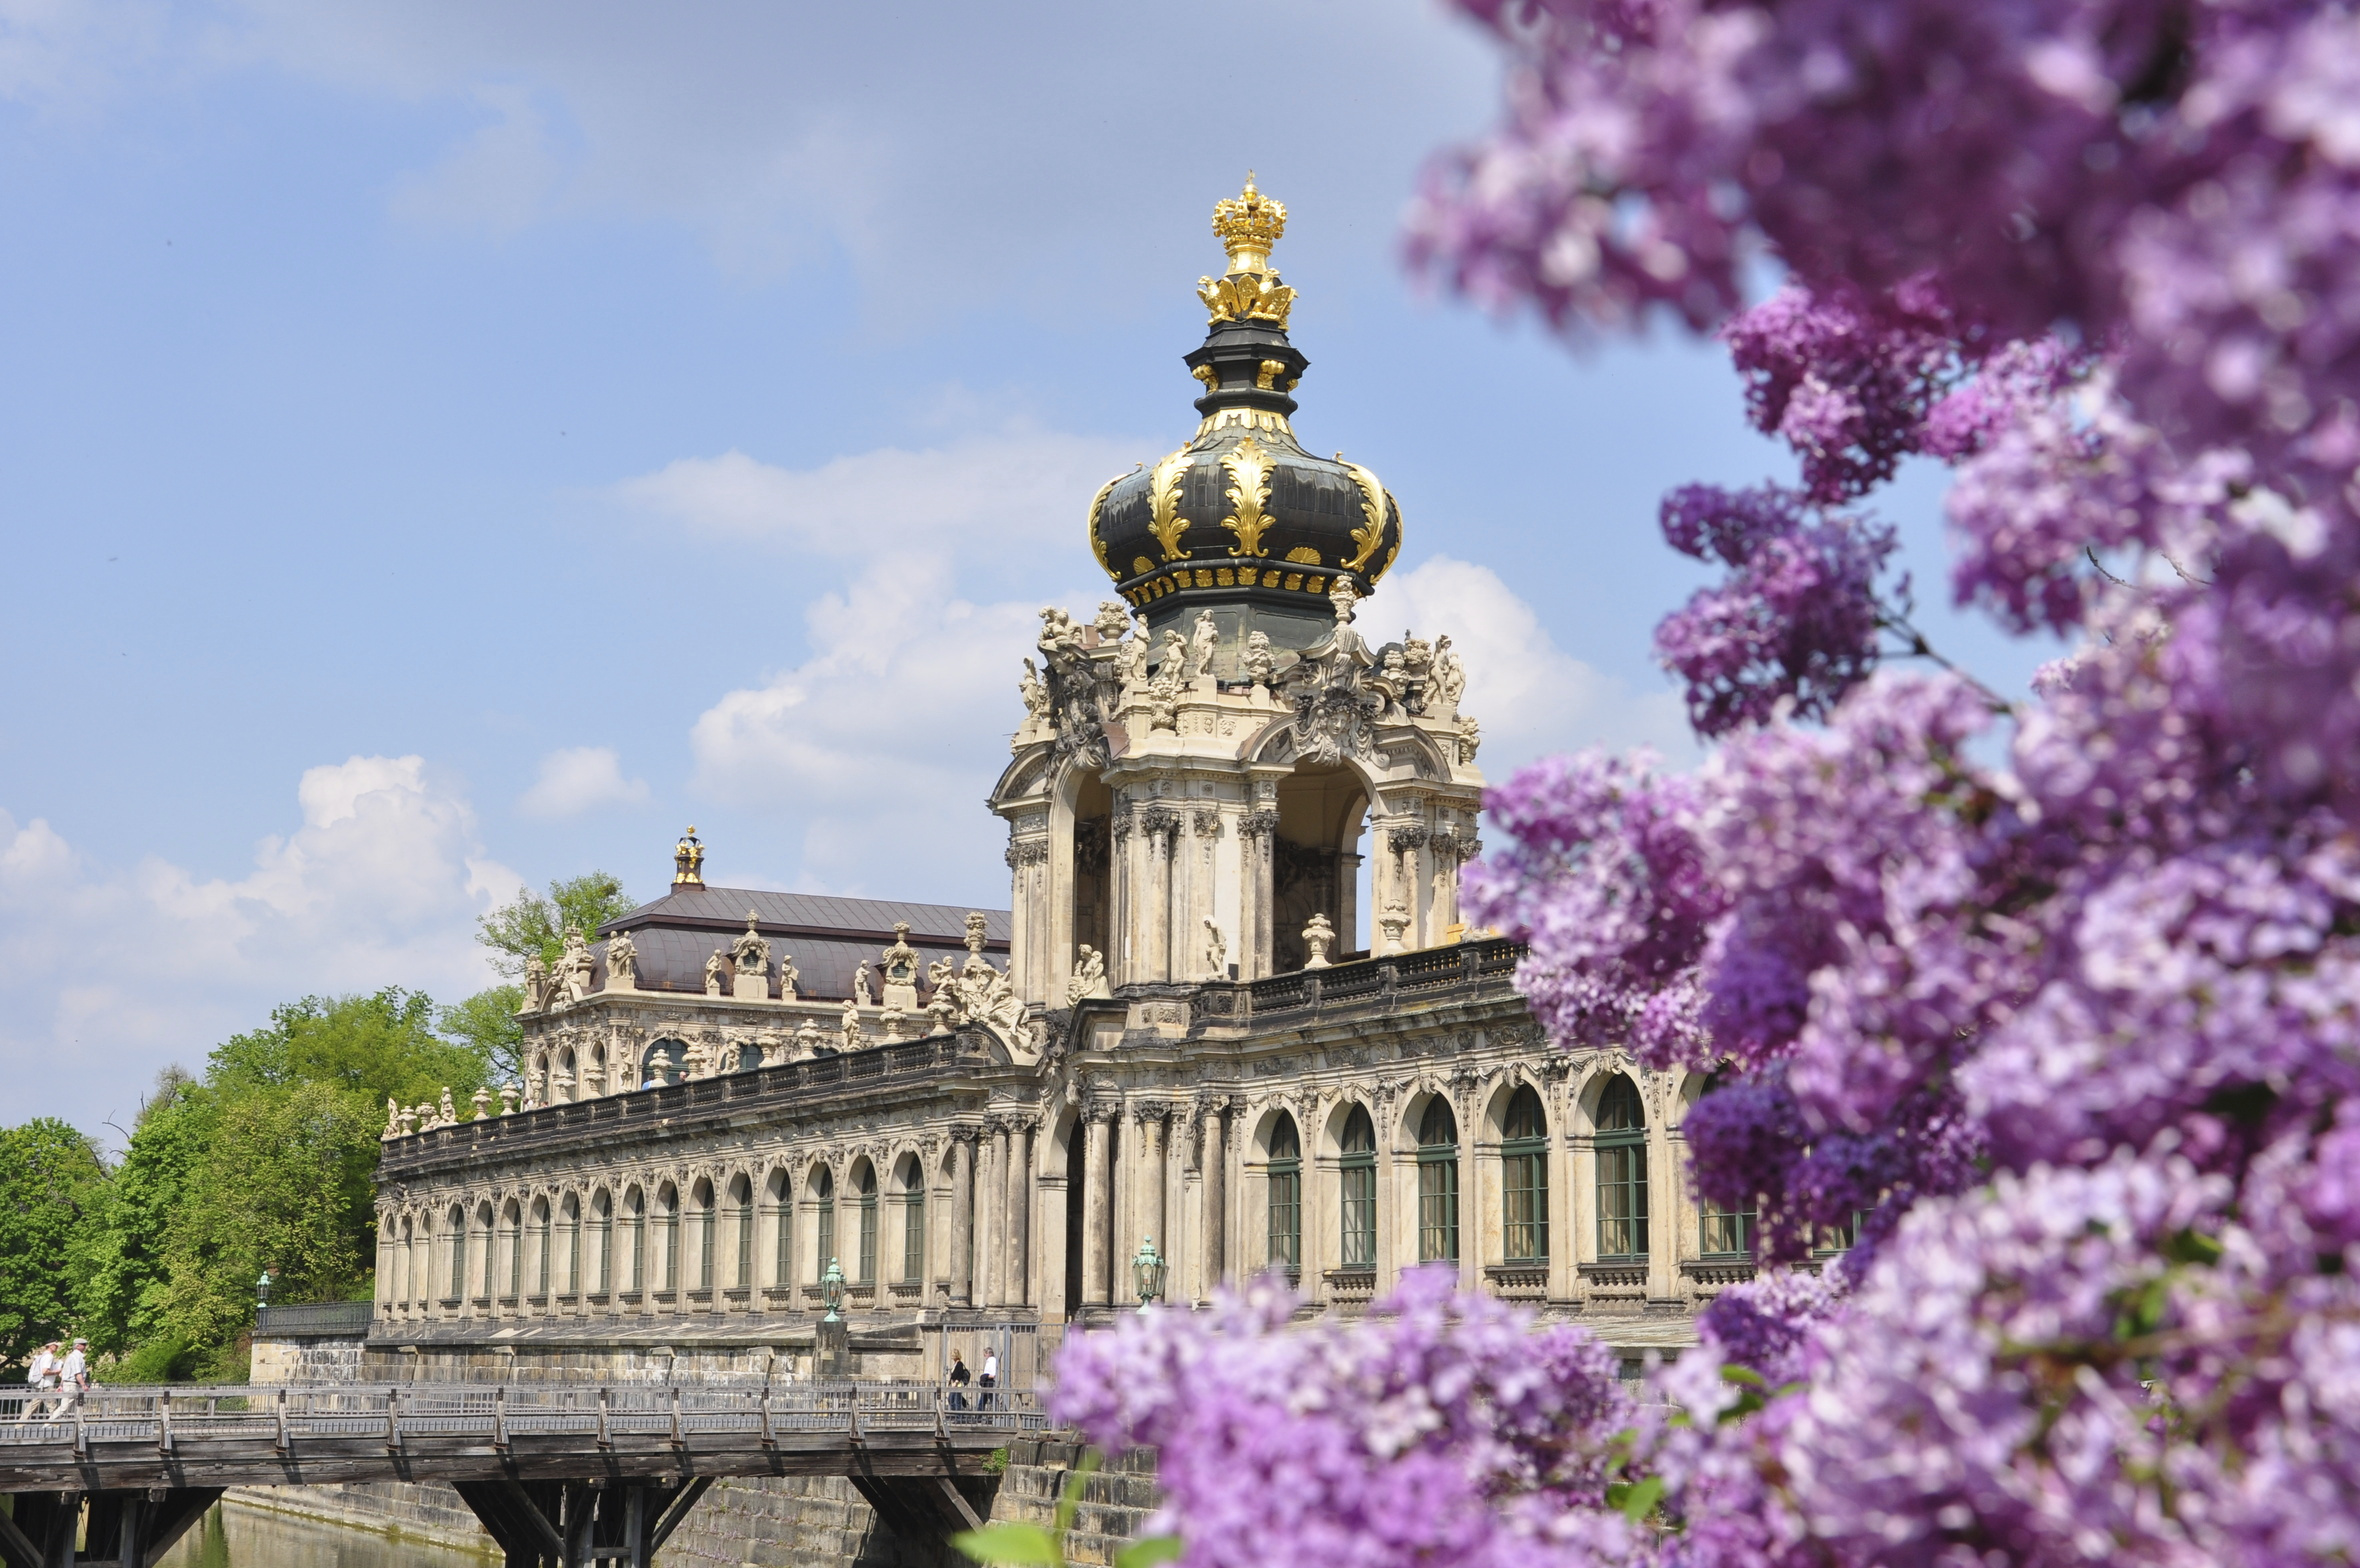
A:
{"points": [[74, 1371], [988, 1380], [43, 1377]]}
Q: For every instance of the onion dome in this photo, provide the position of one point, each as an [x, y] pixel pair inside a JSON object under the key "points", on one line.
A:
{"points": [[1242, 520]]}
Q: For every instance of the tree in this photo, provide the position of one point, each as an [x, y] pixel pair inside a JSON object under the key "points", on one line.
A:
{"points": [[2075, 1032], [121, 1294], [486, 1024], [51, 1179], [532, 926], [378, 1047]]}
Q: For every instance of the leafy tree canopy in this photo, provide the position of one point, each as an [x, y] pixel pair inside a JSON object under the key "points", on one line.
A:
{"points": [[486, 1024], [51, 1181], [534, 927], [374, 1046]]}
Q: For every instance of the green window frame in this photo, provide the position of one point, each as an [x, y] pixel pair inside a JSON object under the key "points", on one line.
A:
{"points": [[784, 1268], [706, 1230], [1286, 1197], [1359, 1181], [913, 1232], [741, 1193], [1438, 1183], [1622, 1172], [1524, 1180], [866, 1190], [824, 1216]]}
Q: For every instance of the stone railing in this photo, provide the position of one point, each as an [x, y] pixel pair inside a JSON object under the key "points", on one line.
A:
{"points": [[612, 1115], [1366, 984]]}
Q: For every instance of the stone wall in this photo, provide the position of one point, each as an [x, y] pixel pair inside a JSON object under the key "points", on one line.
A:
{"points": [[776, 1522], [306, 1360]]}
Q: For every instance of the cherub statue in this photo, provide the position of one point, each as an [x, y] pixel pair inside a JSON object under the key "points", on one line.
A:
{"points": [[860, 985], [1318, 936], [716, 970], [850, 1027], [1258, 662], [733, 1056], [393, 1117], [788, 974], [1130, 661], [1089, 975], [938, 975], [1450, 676], [446, 1114], [1216, 952], [1172, 664]]}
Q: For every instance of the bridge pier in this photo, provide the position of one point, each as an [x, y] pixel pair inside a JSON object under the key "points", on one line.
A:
{"points": [[572, 1524], [126, 1528]]}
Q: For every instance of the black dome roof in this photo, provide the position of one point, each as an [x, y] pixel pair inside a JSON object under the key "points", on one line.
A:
{"points": [[1242, 516]]}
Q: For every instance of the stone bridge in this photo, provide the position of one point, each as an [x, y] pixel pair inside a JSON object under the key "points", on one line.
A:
{"points": [[561, 1475]]}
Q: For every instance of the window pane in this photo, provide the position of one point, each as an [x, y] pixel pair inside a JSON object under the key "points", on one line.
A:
{"points": [[913, 1237], [1622, 1200], [1286, 1215], [1525, 1191], [1438, 1209], [1725, 1232], [1360, 1215]]}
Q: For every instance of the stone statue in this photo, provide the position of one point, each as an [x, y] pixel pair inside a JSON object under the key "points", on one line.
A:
{"points": [[1207, 638], [1163, 693], [1216, 952], [891, 1019], [1058, 634], [978, 933], [897, 970], [700, 1058], [393, 1117], [574, 967], [1392, 683], [750, 951], [1035, 693], [733, 1056], [536, 984], [1114, 619], [1343, 596], [446, 1114], [1450, 679], [1318, 936], [1089, 976], [850, 1027], [1130, 661], [1172, 663], [715, 968], [622, 962], [788, 974], [1470, 736], [860, 985], [1258, 663], [807, 1038], [938, 975]]}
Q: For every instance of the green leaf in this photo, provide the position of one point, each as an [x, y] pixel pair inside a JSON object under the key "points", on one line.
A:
{"points": [[2190, 1246], [1746, 1375], [1008, 1542], [1636, 1499], [1149, 1551]]}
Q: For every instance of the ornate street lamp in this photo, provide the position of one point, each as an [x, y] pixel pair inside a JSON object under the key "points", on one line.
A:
{"points": [[262, 1291], [831, 1291], [1147, 1273]]}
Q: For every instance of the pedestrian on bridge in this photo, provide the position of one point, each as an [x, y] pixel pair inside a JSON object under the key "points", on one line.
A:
{"points": [[74, 1371], [43, 1377], [958, 1378], [989, 1381]]}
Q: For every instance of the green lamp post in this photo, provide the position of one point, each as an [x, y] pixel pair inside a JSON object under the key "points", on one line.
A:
{"points": [[831, 1291], [262, 1292], [1147, 1273]]}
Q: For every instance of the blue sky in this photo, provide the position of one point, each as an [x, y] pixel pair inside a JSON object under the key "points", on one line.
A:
{"points": [[450, 445]]}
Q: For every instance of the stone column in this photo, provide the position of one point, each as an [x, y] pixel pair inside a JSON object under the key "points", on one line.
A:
{"points": [[1155, 1191], [991, 1159], [1123, 881], [1257, 896], [1215, 1165], [1205, 827], [1097, 1195], [962, 1217], [1161, 825], [1020, 1193]]}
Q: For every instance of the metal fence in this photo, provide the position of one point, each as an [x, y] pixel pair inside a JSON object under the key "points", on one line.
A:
{"points": [[167, 1417], [316, 1319]]}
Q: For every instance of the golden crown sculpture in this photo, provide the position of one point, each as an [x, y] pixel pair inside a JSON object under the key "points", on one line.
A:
{"points": [[1247, 225]]}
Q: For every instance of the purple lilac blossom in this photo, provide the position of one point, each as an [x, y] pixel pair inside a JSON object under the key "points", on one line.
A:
{"points": [[2075, 1028]]}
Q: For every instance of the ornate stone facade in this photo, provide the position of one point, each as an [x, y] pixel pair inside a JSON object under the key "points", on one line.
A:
{"points": [[1186, 1026]]}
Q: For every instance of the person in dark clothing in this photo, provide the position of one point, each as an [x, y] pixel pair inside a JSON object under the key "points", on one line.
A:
{"points": [[958, 1379]]}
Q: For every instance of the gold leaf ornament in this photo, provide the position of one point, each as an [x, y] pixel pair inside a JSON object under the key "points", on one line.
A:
{"points": [[1373, 499], [1098, 544], [1249, 492], [1163, 503]]}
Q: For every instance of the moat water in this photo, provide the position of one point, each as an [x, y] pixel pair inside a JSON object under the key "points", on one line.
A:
{"points": [[249, 1538]]}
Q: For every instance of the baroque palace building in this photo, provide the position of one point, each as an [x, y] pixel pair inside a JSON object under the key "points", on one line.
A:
{"points": [[1170, 1034]]}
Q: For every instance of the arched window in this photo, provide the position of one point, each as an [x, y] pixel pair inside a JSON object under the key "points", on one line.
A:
{"points": [[667, 1218], [665, 1062], [741, 1198], [1438, 1184], [1622, 1171], [782, 1198], [706, 1231], [1360, 1191], [864, 1186], [823, 1203], [546, 1234], [570, 1217], [1524, 1179], [635, 1220], [1286, 1197], [458, 1266], [602, 1229], [913, 1220]]}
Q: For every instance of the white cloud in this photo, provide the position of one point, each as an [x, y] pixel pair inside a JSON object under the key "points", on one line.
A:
{"points": [[503, 177], [579, 779], [114, 972], [1530, 696], [978, 494]]}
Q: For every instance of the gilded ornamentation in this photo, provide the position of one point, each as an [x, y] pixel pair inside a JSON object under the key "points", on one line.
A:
{"points": [[1373, 501], [1209, 376], [1247, 225], [1163, 503], [1249, 491], [1303, 555], [1246, 296], [1097, 544], [1269, 372]]}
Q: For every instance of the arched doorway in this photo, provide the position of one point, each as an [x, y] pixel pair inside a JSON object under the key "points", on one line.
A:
{"points": [[1315, 860]]}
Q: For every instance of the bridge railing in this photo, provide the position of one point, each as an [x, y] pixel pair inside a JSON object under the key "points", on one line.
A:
{"points": [[284, 1413]]}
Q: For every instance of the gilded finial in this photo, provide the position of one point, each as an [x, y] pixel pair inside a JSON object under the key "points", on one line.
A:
{"points": [[1247, 225], [688, 860]]}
